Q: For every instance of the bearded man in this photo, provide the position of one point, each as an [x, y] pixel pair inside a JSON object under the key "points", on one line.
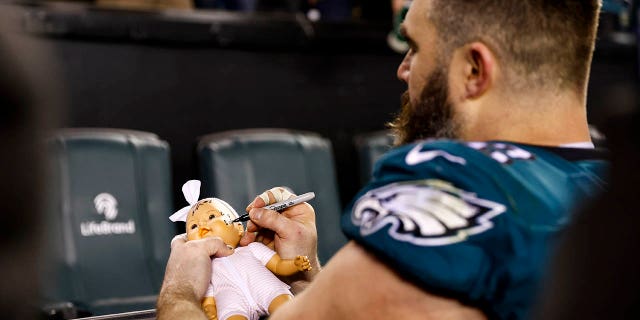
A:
{"points": [[460, 227]]}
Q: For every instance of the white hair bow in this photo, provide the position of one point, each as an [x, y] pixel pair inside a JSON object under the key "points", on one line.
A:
{"points": [[191, 191]]}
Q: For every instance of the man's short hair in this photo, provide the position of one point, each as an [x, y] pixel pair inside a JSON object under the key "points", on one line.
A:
{"points": [[546, 43]]}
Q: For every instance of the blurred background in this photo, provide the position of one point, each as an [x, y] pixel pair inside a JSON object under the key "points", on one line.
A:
{"points": [[184, 73], [184, 69]]}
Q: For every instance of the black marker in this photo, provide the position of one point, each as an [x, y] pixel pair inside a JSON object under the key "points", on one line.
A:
{"points": [[279, 206]]}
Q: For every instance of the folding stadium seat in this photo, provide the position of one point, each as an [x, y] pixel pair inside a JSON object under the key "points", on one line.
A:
{"points": [[238, 165], [371, 146], [108, 231]]}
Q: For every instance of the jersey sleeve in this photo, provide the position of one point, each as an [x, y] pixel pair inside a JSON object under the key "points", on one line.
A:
{"points": [[261, 252], [422, 215]]}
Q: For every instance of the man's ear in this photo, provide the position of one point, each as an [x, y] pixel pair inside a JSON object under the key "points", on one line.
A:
{"points": [[479, 69]]}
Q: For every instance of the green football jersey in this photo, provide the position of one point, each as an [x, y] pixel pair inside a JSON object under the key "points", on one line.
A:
{"points": [[475, 221]]}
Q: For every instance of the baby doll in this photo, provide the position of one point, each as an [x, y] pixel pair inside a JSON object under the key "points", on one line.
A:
{"points": [[243, 285]]}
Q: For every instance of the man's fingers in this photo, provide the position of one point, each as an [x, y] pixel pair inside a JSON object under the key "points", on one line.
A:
{"points": [[270, 219], [277, 194], [257, 203], [270, 196], [213, 246], [252, 227], [247, 238], [250, 234], [178, 240]]}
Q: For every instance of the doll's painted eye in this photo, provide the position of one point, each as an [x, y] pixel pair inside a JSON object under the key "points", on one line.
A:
{"points": [[211, 217], [193, 226]]}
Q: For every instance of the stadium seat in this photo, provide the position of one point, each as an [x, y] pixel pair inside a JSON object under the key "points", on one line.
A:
{"points": [[238, 165], [108, 235], [371, 146]]}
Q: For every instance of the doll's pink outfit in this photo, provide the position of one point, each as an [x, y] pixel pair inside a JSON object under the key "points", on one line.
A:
{"points": [[242, 285]]}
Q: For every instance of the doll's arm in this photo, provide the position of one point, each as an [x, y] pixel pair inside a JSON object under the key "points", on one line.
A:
{"points": [[209, 308], [288, 267]]}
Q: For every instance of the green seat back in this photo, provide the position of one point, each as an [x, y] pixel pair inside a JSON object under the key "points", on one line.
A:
{"points": [[110, 197]]}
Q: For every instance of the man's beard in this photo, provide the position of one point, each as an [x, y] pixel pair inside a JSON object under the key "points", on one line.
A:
{"points": [[430, 117]]}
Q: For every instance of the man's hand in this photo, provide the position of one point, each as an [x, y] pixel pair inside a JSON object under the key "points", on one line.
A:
{"points": [[290, 233], [187, 276]]}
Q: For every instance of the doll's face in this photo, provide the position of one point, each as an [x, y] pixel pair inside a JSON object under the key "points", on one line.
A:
{"points": [[205, 220]]}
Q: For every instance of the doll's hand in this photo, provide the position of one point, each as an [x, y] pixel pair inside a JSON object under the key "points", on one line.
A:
{"points": [[302, 263]]}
